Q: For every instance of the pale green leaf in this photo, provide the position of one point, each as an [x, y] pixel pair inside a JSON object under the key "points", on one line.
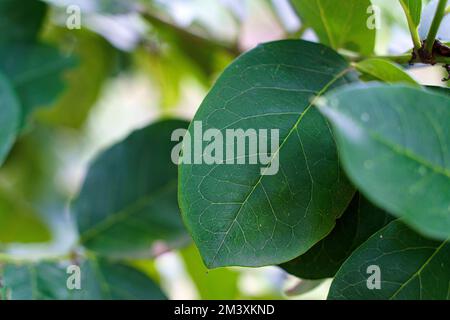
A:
{"points": [[394, 143], [100, 280]]}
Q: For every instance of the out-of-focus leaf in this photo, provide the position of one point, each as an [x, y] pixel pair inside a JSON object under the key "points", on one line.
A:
{"points": [[339, 24], [129, 198], [410, 268], [19, 222], [202, 52], [84, 83], [359, 222], [394, 143], [218, 284], [237, 213], [9, 117], [384, 70], [21, 21], [100, 280], [36, 72], [413, 10], [303, 286], [106, 7]]}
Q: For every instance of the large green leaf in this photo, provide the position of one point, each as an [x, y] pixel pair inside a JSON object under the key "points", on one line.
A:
{"points": [[236, 214], [129, 198], [9, 117], [100, 280], [36, 73], [21, 22], [339, 24], [411, 267], [394, 143], [384, 70], [360, 221]]}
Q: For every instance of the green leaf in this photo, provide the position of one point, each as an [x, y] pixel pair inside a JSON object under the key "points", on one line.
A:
{"points": [[413, 9], [21, 22], [235, 213], [100, 280], [9, 117], [129, 199], [36, 72], [19, 222], [411, 267], [219, 284], [360, 221], [339, 24], [394, 143], [427, 18], [383, 70]]}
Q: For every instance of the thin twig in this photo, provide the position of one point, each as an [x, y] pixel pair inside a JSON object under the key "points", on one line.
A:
{"points": [[439, 15]]}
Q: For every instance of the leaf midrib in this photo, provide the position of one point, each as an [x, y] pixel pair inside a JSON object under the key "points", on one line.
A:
{"points": [[418, 272], [294, 127], [129, 210]]}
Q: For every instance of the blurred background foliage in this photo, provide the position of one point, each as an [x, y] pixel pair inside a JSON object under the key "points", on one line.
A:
{"points": [[131, 63]]}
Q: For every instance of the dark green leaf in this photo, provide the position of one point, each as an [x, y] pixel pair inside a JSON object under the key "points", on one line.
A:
{"points": [[384, 70], [9, 117], [394, 143], [36, 72], [129, 198], [21, 21], [359, 222], [237, 215], [100, 280], [19, 222], [411, 267], [339, 24]]}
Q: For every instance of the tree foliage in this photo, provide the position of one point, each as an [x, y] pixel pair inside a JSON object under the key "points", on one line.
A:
{"points": [[362, 179]]}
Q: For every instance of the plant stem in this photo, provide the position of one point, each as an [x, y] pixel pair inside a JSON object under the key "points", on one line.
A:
{"points": [[412, 27], [440, 13]]}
